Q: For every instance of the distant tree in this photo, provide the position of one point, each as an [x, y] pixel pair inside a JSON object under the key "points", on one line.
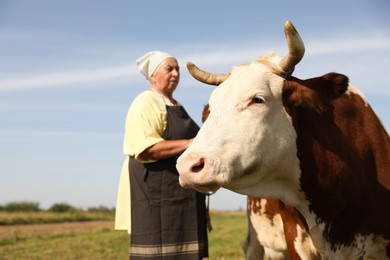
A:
{"points": [[23, 206], [101, 208], [62, 207]]}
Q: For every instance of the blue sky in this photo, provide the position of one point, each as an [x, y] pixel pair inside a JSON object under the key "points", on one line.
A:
{"points": [[68, 76]]}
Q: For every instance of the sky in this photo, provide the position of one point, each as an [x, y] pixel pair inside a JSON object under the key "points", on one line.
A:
{"points": [[68, 76]]}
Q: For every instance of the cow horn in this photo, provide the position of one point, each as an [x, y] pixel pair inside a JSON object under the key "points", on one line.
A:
{"points": [[206, 77], [296, 48]]}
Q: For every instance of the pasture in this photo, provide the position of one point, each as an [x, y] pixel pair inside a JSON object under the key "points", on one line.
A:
{"points": [[96, 239]]}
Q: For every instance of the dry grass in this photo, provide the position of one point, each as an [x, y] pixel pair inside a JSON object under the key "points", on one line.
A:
{"points": [[15, 218], [41, 230], [76, 240]]}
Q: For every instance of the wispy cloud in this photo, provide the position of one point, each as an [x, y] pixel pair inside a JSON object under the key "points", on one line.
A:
{"points": [[233, 54], [9, 134], [349, 45], [213, 56], [67, 78]]}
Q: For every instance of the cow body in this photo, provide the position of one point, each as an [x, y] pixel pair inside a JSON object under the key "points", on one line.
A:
{"points": [[315, 144]]}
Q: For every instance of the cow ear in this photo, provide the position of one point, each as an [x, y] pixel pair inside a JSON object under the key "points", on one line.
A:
{"points": [[205, 113], [316, 93], [337, 84], [297, 94]]}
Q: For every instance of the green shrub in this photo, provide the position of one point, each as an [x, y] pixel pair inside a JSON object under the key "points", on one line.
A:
{"points": [[24, 206], [62, 207], [101, 208]]}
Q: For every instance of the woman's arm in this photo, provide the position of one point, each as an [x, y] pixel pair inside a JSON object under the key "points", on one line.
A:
{"points": [[165, 149]]}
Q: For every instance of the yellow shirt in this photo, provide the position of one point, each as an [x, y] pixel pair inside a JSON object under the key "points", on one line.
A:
{"points": [[145, 123]]}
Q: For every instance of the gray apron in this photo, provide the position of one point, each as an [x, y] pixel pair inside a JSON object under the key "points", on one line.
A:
{"points": [[167, 221]]}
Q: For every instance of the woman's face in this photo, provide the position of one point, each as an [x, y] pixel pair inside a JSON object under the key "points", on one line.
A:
{"points": [[167, 76]]}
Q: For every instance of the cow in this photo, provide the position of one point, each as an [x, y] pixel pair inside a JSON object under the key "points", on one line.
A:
{"points": [[275, 230], [315, 144]]}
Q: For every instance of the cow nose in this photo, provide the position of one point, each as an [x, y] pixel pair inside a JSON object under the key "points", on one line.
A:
{"points": [[191, 168], [190, 164]]}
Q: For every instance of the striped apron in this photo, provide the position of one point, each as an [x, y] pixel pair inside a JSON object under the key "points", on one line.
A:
{"points": [[167, 221]]}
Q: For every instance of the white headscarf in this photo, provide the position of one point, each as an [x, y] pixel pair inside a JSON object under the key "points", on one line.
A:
{"points": [[148, 63]]}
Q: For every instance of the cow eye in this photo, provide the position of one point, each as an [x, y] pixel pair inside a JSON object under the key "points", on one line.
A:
{"points": [[258, 100]]}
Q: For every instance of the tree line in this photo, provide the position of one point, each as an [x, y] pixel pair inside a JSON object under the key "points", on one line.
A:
{"points": [[30, 206]]}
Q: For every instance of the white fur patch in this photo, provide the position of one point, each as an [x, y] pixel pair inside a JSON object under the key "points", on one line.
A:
{"points": [[355, 90], [270, 235]]}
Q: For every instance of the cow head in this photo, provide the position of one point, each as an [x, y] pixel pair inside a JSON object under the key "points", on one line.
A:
{"points": [[246, 107], [248, 139]]}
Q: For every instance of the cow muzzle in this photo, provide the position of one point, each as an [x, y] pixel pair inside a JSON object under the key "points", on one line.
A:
{"points": [[194, 173]]}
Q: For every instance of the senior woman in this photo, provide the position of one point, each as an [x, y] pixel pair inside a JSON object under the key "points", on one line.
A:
{"points": [[167, 221]]}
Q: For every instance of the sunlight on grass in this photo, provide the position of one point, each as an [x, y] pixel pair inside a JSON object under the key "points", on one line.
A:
{"points": [[100, 241]]}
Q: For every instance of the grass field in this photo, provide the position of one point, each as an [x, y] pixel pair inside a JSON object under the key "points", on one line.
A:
{"points": [[96, 239]]}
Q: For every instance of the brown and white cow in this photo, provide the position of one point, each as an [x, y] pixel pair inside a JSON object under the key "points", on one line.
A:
{"points": [[275, 230], [315, 144]]}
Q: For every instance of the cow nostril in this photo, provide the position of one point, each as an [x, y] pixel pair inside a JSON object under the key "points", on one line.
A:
{"points": [[198, 166]]}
